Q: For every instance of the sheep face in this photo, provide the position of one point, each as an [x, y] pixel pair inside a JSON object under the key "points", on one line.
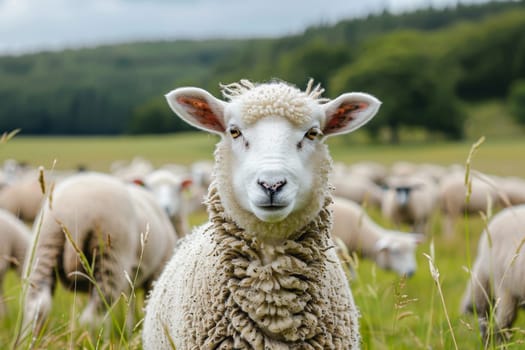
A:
{"points": [[396, 255], [274, 164], [168, 190], [271, 162]]}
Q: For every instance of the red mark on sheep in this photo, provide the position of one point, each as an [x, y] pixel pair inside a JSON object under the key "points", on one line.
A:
{"points": [[201, 111], [343, 115]]}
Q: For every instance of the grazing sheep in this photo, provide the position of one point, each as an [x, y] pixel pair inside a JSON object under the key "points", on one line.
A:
{"points": [[513, 189], [262, 273], [497, 275], [23, 197], [403, 168], [168, 188], [373, 171], [107, 220], [411, 200], [358, 189], [138, 168], [391, 250], [453, 198], [15, 237]]}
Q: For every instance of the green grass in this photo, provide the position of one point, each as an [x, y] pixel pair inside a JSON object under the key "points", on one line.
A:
{"points": [[396, 313]]}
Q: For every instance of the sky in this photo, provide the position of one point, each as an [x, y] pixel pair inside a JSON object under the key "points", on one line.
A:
{"points": [[36, 25]]}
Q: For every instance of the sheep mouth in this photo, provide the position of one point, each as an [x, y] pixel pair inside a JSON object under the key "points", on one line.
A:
{"points": [[272, 207]]}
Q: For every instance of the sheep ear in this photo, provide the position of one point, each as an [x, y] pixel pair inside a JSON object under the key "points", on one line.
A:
{"points": [[349, 112], [198, 108], [382, 245], [186, 183]]}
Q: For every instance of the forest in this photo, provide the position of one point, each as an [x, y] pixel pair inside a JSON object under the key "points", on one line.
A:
{"points": [[424, 66]]}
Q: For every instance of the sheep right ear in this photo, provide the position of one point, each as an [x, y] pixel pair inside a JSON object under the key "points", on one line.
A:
{"points": [[349, 112], [198, 108]]}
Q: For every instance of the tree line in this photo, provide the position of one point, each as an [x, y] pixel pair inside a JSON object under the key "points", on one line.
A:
{"points": [[423, 65]]}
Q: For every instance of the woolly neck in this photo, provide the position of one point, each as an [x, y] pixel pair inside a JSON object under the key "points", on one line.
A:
{"points": [[273, 295], [319, 224]]}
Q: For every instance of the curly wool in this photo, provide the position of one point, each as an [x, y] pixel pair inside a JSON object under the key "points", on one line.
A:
{"points": [[274, 99], [271, 297]]}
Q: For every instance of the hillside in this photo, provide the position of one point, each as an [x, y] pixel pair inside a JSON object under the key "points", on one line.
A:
{"points": [[118, 89]]}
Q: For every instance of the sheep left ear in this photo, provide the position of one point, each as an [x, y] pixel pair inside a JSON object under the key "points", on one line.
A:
{"points": [[349, 112], [198, 108], [382, 245]]}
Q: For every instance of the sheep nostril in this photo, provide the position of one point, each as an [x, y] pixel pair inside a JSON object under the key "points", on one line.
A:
{"points": [[272, 188]]}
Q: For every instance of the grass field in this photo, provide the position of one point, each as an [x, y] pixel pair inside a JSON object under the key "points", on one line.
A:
{"points": [[396, 313]]}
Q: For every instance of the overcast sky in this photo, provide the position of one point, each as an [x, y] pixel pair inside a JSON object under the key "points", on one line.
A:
{"points": [[33, 25]]}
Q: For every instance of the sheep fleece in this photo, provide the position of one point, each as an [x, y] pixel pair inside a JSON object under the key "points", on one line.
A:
{"points": [[218, 292]]}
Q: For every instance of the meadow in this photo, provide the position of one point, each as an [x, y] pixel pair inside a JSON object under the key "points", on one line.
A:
{"points": [[396, 313]]}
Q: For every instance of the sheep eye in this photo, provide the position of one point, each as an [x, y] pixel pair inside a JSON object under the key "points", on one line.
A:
{"points": [[235, 132], [313, 133]]}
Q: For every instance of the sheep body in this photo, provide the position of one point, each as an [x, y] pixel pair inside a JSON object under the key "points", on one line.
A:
{"points": [[411, 200], [358, 189], [453, 198], [497, 275], [23, 197], [107, 219], [391, 250], [513, 189], [263, 274], [15, 237]]}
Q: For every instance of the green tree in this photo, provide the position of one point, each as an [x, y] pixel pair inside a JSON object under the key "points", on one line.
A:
{"points": [[156, 117], [317, 59], [407, 71], [517, 101]]}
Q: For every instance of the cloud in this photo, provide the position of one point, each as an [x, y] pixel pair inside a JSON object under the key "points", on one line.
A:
{"points": [[31, 25]]}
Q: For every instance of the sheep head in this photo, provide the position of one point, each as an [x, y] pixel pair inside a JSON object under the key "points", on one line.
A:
{"points": [[272, 163], [396, 252]]}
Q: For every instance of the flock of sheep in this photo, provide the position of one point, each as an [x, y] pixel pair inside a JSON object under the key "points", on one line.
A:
{"points": [[263, 272]]}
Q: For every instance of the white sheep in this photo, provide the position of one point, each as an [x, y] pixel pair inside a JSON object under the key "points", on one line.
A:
{"points": [[15, 237], [108, 220], [23, 197], [497, 276], [453, 197], [410, 199], [168, 188], [374, 171], [359, 189], [137, 168], [263, 272], [511, 190], [391, 250]]}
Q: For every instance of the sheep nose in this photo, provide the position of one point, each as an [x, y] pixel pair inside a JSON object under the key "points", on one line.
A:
{"points": [[272, 188]]}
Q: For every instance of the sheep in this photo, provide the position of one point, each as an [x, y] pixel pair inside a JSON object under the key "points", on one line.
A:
{"points": [[201, 174], [453, 197], [359, 189], [15, 237], [23, 197], [391, 250], [168, 189], [513, 189], [374, 171], [119, 226], [136, 169], [263, 272], [410, 199], [497, 276]]}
